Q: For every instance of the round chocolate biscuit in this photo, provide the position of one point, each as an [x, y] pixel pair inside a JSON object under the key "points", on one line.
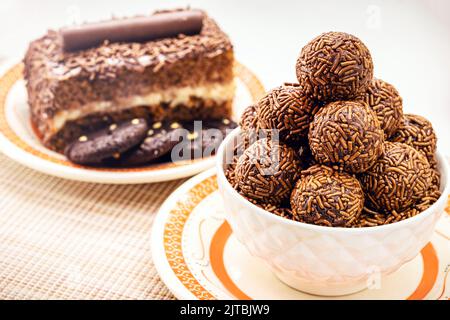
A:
{"points": [[224, 125], [160, 140], [107, 143], [201, 138]]}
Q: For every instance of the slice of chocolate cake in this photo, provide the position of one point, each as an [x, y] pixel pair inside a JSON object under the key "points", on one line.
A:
{"points": [[179, 76]]}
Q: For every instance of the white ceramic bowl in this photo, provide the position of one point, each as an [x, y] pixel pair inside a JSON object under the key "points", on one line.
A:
{"points": [[324, 260]]}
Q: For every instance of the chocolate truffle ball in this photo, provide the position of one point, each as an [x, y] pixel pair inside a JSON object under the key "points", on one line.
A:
{"points": [[399, 178], [327, 197], [371, 218], [346, 135], [267, 171], [334, 66], [230, 172], [435, 175], [286, 109], [417, 132], [250, 129], [248, 118], [385, 100]]}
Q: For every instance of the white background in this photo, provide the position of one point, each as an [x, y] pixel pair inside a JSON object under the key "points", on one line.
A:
{"points": [[409, 40]]}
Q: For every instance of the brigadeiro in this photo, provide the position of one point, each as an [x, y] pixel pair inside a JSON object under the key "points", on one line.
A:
{"points": [[267, 171], [286, 109], [334, 66], [385, 100], [370, 218], [323, 196], [346, 135], [399, 178], [250, 128], [417, 132], [248, 118]]}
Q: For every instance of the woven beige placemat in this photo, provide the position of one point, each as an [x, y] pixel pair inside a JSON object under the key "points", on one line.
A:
{"points": [[63, 239]]}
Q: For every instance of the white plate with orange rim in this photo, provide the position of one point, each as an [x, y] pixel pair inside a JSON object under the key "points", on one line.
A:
{"points": [[19, 142], [198, 257]]}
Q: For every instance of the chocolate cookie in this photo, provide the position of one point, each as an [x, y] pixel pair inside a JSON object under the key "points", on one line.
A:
{"points": [[161, 138], [188, 140], [223, 125], [202, 139], [107, 143]]}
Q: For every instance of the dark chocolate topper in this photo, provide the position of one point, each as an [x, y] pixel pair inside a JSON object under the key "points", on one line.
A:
{"points": [[136, 29]]}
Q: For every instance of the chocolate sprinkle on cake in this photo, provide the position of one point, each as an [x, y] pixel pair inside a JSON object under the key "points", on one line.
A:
{"points": [[118, 77]]}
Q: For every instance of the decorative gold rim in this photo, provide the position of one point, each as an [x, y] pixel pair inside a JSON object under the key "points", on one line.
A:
{"points": [[173, 231], [15, 73]]}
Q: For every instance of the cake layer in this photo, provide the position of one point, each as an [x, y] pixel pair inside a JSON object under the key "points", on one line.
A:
{"points": [[192, 109], [64, 86], [170, 98]]}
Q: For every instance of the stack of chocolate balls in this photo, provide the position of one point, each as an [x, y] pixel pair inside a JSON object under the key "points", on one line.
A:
{"points": [[335, 149]]}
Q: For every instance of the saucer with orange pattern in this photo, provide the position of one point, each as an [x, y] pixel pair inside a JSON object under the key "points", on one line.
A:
{"points": [[198, 257], [19, 142]]}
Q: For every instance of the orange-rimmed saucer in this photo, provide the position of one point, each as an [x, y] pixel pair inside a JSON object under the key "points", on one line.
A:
{"points": [[19, 142], [198, 257]]}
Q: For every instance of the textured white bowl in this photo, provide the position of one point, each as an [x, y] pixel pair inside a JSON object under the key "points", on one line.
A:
{"points": [[323, 260]]}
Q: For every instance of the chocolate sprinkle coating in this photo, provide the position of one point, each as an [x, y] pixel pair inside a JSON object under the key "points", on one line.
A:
{"points": [[323, 196], [346, 135], [267, 171], [250, 128], [286, 109], [399, 178], [334, 66], [417, 132], [371, 218], [230, 171], [248, 118], [385, 100]]}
